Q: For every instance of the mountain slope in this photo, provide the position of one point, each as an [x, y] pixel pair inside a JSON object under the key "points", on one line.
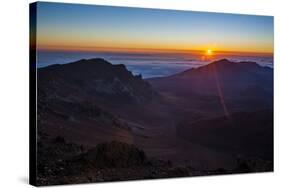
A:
{"points": [[82, 101], [239, 86], [93, 79]]}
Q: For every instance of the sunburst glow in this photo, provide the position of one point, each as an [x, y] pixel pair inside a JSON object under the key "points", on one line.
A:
{"points": [[209, 52]]}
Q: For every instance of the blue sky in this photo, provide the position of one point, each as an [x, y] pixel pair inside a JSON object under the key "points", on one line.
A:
{"points": [[88, 26]]}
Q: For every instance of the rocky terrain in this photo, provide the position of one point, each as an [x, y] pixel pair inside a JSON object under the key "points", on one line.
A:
{"points": [[99, 122], [60, 162]]}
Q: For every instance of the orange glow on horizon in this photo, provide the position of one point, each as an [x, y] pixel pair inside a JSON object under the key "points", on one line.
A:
{"points": [[205, 53], [210, 52]]}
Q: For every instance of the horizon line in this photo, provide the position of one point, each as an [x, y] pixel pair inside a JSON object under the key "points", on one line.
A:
{"points": [[144, 50]]}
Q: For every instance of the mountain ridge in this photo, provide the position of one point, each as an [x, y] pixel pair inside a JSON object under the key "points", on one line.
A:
{"points": [[227, 65], [237, 85], [95, 77]]}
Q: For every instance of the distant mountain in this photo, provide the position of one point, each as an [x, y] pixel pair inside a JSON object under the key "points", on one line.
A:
{"points": [[93, 79], [238, 84]]}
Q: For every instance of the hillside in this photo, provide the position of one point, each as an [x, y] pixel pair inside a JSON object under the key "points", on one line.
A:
{"points": [[235, 86], [90, 101]]}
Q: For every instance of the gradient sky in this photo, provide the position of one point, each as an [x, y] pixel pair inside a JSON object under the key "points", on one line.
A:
{"points": [[89, 27]]}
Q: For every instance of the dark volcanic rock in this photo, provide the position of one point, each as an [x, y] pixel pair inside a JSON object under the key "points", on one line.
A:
{"points": [[115, 155], [60, 162]]}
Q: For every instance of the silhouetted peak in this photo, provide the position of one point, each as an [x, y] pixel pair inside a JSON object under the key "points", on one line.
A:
{"points": [[92, 61], [222, 62], [228, 62], [95, 64], [101, 60], [223, 66], [98, 62], [98, 77]]}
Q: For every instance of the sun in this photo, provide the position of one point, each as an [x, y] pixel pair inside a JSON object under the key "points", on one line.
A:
{"points": [[209, 52]]}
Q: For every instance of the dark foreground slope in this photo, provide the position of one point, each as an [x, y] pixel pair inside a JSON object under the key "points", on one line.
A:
{"points": [[244, 134], [61, 162]]}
